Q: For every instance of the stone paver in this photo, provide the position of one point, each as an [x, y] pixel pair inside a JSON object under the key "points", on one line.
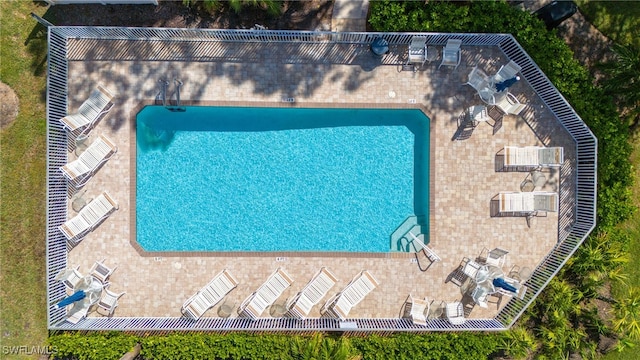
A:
{"points": [[463, 177]]}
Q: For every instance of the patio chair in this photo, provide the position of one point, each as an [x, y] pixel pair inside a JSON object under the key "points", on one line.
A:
{"points": [[88, 218], [451, 53], [341, 304], [78, 312], [417, 52], [209, 295], [509, 104], [93, 109], [266, 295], [70, 277], [528, 202], [471, 268], [533, 156], [455, 313], [100, 271], [300, 306], [79, 171], [495, 257], [506, 72], [417, 310], [108, 302], [478, 79]]}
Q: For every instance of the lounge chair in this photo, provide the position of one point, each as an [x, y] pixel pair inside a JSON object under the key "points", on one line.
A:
{"points": [[451, 53], [78, 312], [417, 310], [528, 202], [300, 306], [533, 156], [209, 296], [88, 218], [70, 277], [417, 52], [101, 272], [506, 72], [79, 171], [341, 304], [253, 306], [509, 104], [455, 313], [109, 301], [93, 109]]}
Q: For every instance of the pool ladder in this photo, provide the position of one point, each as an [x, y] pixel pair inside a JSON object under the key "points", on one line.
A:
{"points": [[163, 94]]}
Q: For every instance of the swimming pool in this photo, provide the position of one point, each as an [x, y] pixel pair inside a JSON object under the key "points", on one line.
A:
{"points": [[278, 179]]}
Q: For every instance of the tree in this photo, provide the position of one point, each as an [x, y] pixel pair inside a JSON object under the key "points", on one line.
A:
{"points": [[271, 6], [623, 81]]}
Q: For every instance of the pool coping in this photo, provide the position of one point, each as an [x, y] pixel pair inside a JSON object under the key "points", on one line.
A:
{"points": [[263, 254]]}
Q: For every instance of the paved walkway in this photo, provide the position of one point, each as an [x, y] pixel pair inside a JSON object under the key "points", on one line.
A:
{"points": [[349, 15]]}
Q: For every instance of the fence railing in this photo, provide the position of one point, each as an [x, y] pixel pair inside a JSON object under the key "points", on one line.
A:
{"points": [[581, 211]]}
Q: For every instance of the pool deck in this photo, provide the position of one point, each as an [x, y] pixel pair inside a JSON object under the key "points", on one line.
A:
{"points": [[463, 176]]}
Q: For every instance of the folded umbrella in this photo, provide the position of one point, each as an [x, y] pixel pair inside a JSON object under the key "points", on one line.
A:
{"points": [[501, 86], [78, 295], [503, 284]]}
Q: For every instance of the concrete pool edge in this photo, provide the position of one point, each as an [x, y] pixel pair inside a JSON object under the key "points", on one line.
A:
{"points": [[277, 254]]}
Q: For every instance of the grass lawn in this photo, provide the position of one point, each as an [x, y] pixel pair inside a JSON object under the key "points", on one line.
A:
{"points": [[22, 177], [618, 20]]}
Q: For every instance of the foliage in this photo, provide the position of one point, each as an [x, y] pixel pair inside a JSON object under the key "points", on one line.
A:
{"points": [[517, 343], [105, 346], [627, 314], [271, 6]]}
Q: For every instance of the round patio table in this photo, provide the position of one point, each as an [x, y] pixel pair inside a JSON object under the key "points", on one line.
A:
{"points": [[92, 288]]}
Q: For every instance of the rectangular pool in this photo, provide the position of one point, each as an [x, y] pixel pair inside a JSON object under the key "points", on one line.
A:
{"points": [[278, 179]]}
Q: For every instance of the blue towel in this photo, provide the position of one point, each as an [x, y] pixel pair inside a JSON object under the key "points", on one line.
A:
{"points": [[503, 284], [78, 295], [501, 86]]}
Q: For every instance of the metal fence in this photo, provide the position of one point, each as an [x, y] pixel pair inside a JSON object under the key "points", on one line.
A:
{"points": [[128, 41]]}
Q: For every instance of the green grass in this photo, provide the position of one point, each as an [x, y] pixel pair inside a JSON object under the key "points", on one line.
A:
{"points": [[618, 20], [22, 176]]}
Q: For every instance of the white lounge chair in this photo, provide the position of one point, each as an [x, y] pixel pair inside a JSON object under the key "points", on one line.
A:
{"points": [[100, 271], [506, 72], [528, 202], [455, 313], [95, 107], [79, 171], [509, 104], [253, 306], [533, 156], [300, 306], [78, 312], [341, 304], [209, 296], [109, 302], [417, 52], [70, 277], [417, 310], [451, 53], [88, 218]]}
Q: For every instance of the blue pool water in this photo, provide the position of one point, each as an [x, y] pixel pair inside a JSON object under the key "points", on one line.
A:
{"points": [[278, 179]]}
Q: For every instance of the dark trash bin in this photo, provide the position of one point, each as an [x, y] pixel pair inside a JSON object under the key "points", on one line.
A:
{"points": [[555, 12], [379, 46]]}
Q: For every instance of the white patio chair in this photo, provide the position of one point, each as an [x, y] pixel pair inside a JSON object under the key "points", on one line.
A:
{"points": [[108, 302], [79, 171], [300, 306], [70, 277], [455, 313], [506, 72], [417, 52], [417, 310], [533, 156], [101, 272], [209, 295], [478, 79], [341, 304], [471, 268], [495, 257], [451, 53], [509, 104], [528, 202], [88, 218], [93, 109], [266, 295]]}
